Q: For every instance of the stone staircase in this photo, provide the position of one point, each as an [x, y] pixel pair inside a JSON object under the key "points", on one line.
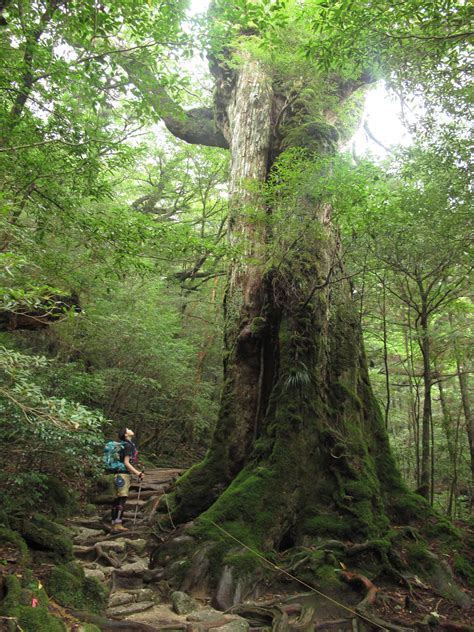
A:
{"points": [[121, 561]]}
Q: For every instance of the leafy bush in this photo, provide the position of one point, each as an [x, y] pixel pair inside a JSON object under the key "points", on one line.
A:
{"points": [[45, 436]]}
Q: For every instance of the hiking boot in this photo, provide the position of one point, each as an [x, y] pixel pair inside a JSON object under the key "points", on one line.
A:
{"points": [[118, 528]]}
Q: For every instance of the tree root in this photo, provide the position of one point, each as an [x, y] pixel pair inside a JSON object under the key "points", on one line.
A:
{"points": [[111, 559], [110, 625], [372, 590]]}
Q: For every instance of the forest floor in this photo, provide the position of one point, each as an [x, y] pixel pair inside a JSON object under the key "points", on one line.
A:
{"points": [[141, 598]]}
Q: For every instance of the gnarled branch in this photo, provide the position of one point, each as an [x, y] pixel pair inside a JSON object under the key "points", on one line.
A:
{"points": [[196, 126]]}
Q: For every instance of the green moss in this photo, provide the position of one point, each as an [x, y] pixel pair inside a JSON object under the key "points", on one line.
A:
{"points": [[68, 585], [316, 136], [59, 497], [89, 627], [321, 569], [328, 525], [17, 604], [244, 562], [407, 507], [258, 325], [441, 528], [42, 533], [7, 535], [464, 569], [246, 509], [419, 556]]}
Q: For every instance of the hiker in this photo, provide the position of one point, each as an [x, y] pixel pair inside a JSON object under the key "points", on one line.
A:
{"points": [[122, 479]]}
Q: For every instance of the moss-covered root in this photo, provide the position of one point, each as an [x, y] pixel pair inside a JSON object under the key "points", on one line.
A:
{"points": [[13, 538], [18, 604], [71, 588], [43, 534]]}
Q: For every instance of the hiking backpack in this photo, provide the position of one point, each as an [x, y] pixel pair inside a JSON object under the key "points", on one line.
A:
{"points": [[113, 452]]}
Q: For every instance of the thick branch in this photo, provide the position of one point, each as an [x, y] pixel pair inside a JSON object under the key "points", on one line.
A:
{"points": [[196, 126]]}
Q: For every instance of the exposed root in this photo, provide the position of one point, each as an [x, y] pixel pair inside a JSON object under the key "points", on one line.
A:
{"points": [[111, 558], [372, 590]]}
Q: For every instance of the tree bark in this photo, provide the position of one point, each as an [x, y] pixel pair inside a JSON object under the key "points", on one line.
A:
{"points": [[425, 347], [300, 448], [300, 444], [464, 387]]}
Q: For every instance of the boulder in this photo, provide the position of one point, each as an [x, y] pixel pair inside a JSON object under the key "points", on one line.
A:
{"points": [[118, 546], [183, 603], [236, 625], [205, 615]]}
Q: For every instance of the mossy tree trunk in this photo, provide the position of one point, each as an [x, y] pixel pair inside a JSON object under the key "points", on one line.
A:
{"points": [[300, 447]]}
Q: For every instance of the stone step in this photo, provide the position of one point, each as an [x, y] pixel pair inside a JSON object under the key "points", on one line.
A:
{"points": [[130, 608], [146, 493], [121, 597]]}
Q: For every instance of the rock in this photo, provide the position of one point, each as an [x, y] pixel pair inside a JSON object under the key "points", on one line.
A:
{"points": [[130, 608], [137, 566], [84, 534], [94, 572], [177, 548], [183, 603], [138, 546], [118, 546], [236, 625], [120, 599], [94, 566], [204, 616], [144, 594]]}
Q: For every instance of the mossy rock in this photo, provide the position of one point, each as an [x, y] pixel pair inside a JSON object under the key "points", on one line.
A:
{"points": [[18, 604], [7, 535], [69, 587], [43, 534]]}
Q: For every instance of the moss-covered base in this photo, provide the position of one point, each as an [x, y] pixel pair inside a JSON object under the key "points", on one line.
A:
{"points": [[43, 534], [69, 587], [27, 603], [313, 470]]}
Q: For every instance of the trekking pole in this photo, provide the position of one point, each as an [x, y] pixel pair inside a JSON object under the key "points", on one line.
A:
{"points": [[138, 500]]}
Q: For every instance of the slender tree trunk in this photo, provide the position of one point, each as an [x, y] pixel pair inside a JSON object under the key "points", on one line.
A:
{"points": [[424, 342], [464, 387], [414, 398], [385, 354], [447, 423]]}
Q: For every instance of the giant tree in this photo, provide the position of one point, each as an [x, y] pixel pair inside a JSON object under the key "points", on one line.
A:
{"points": [[300, 450]]}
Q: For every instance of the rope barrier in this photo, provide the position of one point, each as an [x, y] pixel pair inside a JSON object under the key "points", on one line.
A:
{"points": [[311, 588]]}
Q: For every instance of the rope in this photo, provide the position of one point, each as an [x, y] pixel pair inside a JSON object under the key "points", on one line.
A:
{"points": [[311, 588]]}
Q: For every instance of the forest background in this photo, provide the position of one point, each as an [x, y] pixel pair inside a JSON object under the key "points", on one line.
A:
{"points": [[114, 241]]}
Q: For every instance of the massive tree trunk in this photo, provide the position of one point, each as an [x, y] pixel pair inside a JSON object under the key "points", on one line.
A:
{"points": [[300, 450]]}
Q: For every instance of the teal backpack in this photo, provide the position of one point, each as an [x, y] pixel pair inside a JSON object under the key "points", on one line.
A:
{"points": [[113, 452]]}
